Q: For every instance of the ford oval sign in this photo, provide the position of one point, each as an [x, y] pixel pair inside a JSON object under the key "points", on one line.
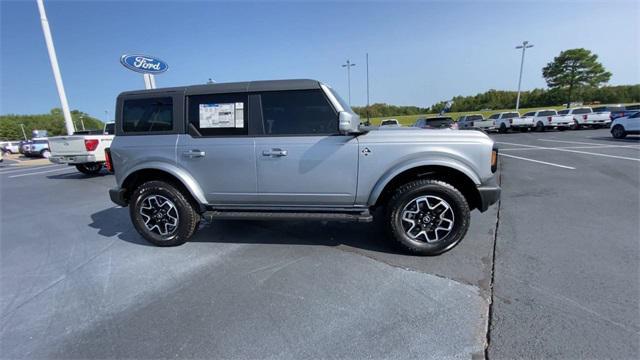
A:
{"points": [[144, 64]]}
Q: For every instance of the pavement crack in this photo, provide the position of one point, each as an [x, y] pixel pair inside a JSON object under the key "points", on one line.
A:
{"points": [[493, 272]]}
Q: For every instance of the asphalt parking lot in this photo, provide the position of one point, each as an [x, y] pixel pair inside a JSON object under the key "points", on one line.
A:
{"points": [[553, 270]]}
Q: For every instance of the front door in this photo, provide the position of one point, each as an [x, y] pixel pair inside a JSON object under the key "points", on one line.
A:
{"points": [[301, 159]]}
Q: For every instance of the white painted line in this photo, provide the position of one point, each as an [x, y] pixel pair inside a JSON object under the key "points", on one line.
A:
{"points": [[538, 161], [570, 142], [14, 170], [577, 147], [574, 151], [39, 172]]}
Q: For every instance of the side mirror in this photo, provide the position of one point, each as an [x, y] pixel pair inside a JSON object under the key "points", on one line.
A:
{"points": [[348, 123]]}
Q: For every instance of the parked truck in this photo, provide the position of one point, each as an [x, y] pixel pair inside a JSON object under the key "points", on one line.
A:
{"points": [[584, 116], [291, 150], [549, 119], [84, 151], [507, 120]]}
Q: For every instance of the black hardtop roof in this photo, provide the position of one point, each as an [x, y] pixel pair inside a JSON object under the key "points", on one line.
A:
{"points": [[245, 86]]}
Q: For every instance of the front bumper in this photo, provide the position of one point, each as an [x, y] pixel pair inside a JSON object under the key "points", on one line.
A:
{"points": [[72, 159], [489, 194], [117, 196]]}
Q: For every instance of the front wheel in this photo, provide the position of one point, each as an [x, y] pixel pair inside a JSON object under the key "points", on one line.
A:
{"points": [[89, 168], [503, 128], [618, 132], [575, 125], [162, 214], [539, 127], [45, 153], [427, 217]]}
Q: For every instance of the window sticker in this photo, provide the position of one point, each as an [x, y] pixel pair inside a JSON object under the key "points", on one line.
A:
{"points": [[225, 115]]}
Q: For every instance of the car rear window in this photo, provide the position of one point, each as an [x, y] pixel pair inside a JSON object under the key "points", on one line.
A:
{"points": [[439, 122], [147, 115], [474, 117], [389, 122], [547, 113], [563, 112], [510, 115], [582, 111], [110, 129]]}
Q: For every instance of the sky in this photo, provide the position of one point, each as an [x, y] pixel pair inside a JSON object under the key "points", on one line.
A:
{"points": [[419, 52]]}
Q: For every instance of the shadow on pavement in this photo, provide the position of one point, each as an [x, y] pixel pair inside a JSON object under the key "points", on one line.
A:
{"points": [[77, 175], [629, 139], [115, 221]]}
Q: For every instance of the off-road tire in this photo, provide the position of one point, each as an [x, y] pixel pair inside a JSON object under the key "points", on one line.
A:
{"points": [[405, 194], [503, 128], [89, 168], [540, 127], [188, 218]]}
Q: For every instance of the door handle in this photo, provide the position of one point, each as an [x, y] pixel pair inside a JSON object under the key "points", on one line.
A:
{"points": [[193, 154], [274, 152]]}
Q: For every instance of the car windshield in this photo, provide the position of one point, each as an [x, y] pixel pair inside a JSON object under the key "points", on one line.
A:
{"points": [[389, 122], [582, 111], [547, 113], [438, 122], [343, 103], [510, 115]]}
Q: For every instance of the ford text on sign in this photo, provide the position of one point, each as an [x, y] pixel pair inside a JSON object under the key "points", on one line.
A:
{"points": [[144, 64]]}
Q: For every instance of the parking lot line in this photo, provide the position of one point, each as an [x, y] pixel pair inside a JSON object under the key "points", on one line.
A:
{"points": [[573, 151], [39, 172], [571, 142], [577, 147], [538, 161], [14, 170]]}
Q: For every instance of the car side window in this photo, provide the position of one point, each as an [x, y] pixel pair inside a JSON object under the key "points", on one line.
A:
{"points": [[147, 115], [298, 112], [218, 114], [529, 114], [494, 116]]}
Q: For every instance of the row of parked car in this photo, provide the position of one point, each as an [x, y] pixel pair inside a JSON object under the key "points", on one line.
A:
{"points": [[540, 120], [36, 147]]}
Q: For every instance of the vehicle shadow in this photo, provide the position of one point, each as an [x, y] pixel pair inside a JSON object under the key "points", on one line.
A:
{"points": [[115, 221], [77, 175], [628, 139]]}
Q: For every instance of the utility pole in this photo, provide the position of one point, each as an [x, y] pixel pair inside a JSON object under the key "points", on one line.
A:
{"points": [[81, 123], [368, 119], [525, 45], [24, 134], [56, 69], [348, 65]]}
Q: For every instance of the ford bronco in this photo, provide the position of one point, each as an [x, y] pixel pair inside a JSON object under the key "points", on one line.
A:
{"points": [[291, 149]]}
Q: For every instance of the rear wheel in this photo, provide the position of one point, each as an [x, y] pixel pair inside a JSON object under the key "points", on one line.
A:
{"points": [[89, 168], [427, 217], [45, 153], [539, 126], [618, 132], [162, 214], [503, 128]]}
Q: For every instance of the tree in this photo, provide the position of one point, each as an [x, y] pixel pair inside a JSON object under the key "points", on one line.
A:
{"points": [[575, 68]]}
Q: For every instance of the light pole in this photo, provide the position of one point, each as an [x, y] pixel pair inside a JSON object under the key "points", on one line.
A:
{"points": [[106, 116], [24, 134], [348, 65], [368, 120], [525, 45], [81, 123], [55, 68]]}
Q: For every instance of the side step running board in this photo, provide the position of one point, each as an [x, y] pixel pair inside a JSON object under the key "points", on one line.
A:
{"points": [[287, 215]]}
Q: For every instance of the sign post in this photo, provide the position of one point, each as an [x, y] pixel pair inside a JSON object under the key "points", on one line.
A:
{"points": [[148, 66]]}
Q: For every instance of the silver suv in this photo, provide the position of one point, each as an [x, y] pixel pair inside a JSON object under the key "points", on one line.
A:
{"points": [[290, 149]]}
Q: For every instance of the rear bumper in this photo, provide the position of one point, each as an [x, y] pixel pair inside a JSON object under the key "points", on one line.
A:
{"points": [[72, 159], [117, 196], [489, 194]]}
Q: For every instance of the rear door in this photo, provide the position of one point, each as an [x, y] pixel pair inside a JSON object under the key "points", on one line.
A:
{"points": [[301, 158], [218, 150]]}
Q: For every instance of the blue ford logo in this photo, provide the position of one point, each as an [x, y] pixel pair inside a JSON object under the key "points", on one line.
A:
{"points": [[144, 64]]}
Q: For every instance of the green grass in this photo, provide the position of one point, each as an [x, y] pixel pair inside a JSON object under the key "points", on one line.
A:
{"points": [[410, 119]]}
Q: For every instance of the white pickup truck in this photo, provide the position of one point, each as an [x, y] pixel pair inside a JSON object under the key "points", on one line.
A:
{"points": [[85, 151], [511, 120], [549, 119], [585, 116]]}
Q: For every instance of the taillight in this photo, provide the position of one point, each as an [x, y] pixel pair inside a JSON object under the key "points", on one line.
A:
{"points": [[107, 160], [494, 159], [584, 117], [91, 144]]}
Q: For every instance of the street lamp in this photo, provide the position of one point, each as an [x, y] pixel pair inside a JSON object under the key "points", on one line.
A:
{"points": [[525, 45], [81, 123], [348, 65]]}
